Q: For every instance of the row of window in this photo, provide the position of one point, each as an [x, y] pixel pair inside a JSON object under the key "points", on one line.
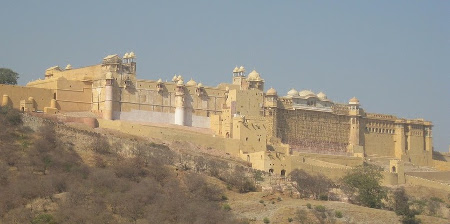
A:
{"points": [[380, 130]]}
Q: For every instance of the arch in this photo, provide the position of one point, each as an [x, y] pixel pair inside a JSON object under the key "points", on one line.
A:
{"points": [[394, 169], [283, 173], [270, 170], [228, 134], [248, 158], [54, 96], [22, 109]]}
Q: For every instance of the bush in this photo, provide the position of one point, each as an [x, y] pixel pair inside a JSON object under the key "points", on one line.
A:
{"points": [[320, 208], [323, 197], [436, 199], [309, 206], [290, 219], [43, 219], [363, 184], [261, 201], [224, 198], [266, 220], [226, 207], [338, 214]]}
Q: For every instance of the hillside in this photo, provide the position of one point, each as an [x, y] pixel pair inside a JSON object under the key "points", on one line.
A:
{"points": [[52, 172]]}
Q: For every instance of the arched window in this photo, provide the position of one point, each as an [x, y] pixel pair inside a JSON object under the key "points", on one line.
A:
{"points": [[283, 173], [270, 171], [394, 169]]}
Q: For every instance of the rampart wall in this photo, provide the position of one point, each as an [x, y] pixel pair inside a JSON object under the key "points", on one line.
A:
{"points": [[413, 180], [41, 97]]}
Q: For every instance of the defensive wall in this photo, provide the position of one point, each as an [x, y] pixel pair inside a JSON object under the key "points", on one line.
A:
{"points": [[12, 95]]}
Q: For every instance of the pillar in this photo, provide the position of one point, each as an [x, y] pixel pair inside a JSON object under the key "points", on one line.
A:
{"points": [[399, 139], [53, 103], [108, 110], [180, 109]]}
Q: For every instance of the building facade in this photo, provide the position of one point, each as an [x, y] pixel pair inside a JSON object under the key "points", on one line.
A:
{"points": [[270, 128]]}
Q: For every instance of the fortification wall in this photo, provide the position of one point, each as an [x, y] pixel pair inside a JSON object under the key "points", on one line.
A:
{"points": [[441, 165], [161, 118], [41, 97], [412, 180], [381, 144], [332, 172], [230, 146], [336, 159], [315, 130]]}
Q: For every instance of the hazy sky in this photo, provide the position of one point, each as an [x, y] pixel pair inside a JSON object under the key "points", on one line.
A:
{"points": [[392, 55]]}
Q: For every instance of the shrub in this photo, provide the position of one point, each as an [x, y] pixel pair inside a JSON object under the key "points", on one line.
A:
{"points": [[320, 208], [279, 199], [308, 205], [436, 199], [338, 214], [43, 219], [261, 201], [323, 197], [363, 184], [226, 207], [224, 198], [266, 220], [290, 219]]}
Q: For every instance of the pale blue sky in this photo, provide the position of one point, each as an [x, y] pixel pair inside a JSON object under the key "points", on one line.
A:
{"points": [[392, 55]]}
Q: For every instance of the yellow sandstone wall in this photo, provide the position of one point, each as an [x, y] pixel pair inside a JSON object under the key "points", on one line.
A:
{"points": [[41, 97]]}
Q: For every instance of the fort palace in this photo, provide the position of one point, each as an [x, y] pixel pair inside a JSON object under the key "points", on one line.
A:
{"points": [[266, 128]]}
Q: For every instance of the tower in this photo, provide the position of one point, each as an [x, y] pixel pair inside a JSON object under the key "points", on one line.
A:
{"points": [[179, 103], [271, 103], [355, 134], [239, 76], [108, 110]]}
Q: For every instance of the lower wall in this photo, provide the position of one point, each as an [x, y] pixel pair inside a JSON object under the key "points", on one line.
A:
{"points": [[230, 146], [412, 180], [341, 160], [41, 97], [161, 118], [330, 172], [441, 165]]}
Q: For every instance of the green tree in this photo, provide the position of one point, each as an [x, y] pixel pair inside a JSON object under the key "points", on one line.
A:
{"points": [[363, 185], [8, 76]]}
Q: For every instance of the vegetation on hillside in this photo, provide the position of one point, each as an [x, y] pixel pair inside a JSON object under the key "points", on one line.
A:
{"points": [[44, 180]]}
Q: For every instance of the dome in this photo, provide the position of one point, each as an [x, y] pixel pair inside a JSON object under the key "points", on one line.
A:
{"points": [[292, 92], [353, 100], [306, 93], [236, 70], [271, 92], [126, 56], [179, 77], [175, 78], [132, 55], [159, 81], [241, 69], [191, 83], [180, 82], [322, 96], [109, 75], [200, 85], [254, 75], [68, 67]]}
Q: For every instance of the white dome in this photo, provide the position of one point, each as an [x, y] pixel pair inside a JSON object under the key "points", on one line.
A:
{"points": [[68, 67], [271, 92], [132, 55], [254, 75], [241, 69], [126, 56], [306, 93], [180, 82], [159, 81], [191, 83], [322, 96], [292, 92], [175, 78], [200, 85], [236, 70], [354, 101]]}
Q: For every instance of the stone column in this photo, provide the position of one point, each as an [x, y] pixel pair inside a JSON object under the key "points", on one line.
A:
{"points": [[180, 112], [108, 110]]}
